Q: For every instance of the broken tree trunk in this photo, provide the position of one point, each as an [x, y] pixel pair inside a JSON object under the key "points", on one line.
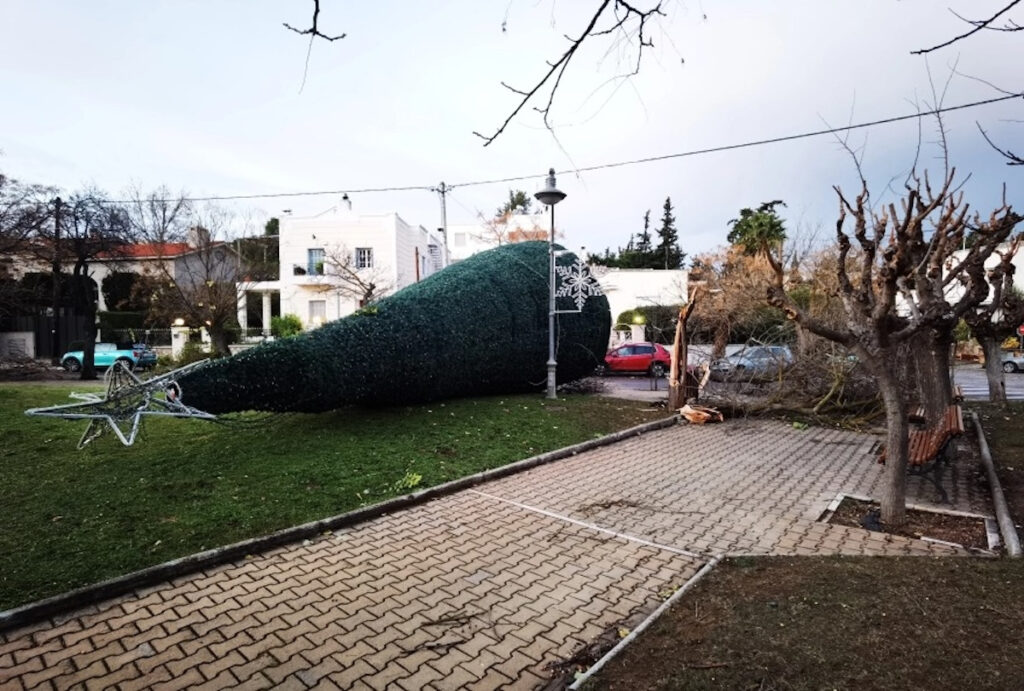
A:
{"points": [[677, 393]]}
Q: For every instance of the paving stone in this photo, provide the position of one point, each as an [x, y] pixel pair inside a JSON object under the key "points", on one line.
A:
{"points": [[471, 589]]}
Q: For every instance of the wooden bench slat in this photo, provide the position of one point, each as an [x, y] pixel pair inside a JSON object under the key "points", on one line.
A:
{"points": [[923, 445]]}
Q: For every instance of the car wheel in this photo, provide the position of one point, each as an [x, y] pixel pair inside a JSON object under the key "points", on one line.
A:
{"points": [[657, 370], [1009, 367], [72, 365], [601, 370], [128, 364]]}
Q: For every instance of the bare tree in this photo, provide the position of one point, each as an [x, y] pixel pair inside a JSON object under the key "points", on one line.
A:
{"points": [[197, 275], [997, 319], [91, 230], [24, 211], [343, 276], [896, 287]]}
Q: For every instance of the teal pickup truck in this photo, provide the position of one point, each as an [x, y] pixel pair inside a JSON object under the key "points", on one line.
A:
{"points": [[106, 354]]}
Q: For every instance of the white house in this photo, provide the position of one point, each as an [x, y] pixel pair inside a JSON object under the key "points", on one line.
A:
{"points": [[469, 239], [332, 262]]}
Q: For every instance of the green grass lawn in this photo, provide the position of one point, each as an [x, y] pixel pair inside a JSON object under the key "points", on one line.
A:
{"points": [[70, 518]]}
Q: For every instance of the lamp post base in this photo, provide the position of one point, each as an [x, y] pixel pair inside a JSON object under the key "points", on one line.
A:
{"points": [[551, 380]]}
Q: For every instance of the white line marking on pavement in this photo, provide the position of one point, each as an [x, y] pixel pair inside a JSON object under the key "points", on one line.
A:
{"points": [[591, 526]]}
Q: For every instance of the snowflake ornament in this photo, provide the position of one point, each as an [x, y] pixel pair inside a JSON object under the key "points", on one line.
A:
{"points": [[577, 283]]}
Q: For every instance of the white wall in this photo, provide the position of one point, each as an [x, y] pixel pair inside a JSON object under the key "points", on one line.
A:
{"points": [[629, 288], [465, 240]]}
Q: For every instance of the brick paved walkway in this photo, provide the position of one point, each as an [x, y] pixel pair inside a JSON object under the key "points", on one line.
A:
{"points": [[486, 588]]}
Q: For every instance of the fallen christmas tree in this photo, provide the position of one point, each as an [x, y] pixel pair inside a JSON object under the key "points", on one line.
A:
{"points": [[478, 327]]}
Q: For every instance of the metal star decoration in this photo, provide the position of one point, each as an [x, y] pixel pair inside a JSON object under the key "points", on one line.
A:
{"points": [[126, 399], [577, 283]]}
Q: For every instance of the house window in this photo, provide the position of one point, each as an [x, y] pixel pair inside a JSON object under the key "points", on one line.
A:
{"points": [[317, 312], [364, 257], [315, 261]]}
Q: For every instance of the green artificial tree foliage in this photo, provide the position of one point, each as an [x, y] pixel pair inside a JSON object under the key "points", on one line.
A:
{"points": [[758, 232], [478, 327]]}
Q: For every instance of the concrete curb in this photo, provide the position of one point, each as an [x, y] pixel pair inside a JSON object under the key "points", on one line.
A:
{"points": [[651, 618], [104, 590], [1006, 527]]}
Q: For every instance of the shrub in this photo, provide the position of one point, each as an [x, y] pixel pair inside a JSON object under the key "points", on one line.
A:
{"points": [[478, 327], [191, 352], [286, 325]]}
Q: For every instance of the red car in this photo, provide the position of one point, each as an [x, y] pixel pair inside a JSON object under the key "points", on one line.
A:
{"points": [[652, 358]]}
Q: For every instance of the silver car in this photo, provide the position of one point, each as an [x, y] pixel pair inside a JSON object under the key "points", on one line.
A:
{"points": [[1013, 362], [754, 362]]}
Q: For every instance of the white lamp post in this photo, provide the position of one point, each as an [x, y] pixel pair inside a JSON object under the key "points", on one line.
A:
{"points": [[550, 196]]}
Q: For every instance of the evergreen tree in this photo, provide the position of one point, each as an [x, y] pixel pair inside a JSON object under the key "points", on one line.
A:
{"points": [[644, 246], [638, 252], [668, 254]]}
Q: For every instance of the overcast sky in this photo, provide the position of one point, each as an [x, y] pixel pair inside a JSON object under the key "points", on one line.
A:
{"points": [[205, 96]]}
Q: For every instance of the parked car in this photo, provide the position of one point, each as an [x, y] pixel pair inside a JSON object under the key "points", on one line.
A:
{"points": [[105, 355], [147, 356], [652, 358], [754, 362], [1013, 361]]}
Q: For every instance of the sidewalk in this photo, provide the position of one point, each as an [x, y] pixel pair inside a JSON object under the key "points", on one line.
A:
{"points": [[486, 588]]}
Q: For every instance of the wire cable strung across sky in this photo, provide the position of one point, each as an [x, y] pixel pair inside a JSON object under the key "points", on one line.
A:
{"points": [[604, 166]]}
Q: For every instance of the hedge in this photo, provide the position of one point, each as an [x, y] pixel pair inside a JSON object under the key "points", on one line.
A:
{"points": [[478, 327]]}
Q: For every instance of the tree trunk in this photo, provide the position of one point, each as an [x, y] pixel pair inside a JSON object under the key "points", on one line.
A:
{"points": [[675, 397], [219, 341], [720, 341], [894, 491], [85, 298], [931, 359], [994, 369]]}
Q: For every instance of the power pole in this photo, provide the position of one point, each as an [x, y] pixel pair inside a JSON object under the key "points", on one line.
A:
{"points": [[442, 190], [55, 333]]}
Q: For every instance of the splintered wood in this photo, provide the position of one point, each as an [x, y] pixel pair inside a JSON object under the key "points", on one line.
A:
{"points": [[698, 415]]}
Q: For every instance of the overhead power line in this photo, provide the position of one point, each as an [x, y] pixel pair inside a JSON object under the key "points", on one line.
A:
{"points": [[604, 166], [746, 145], [277, 195]]}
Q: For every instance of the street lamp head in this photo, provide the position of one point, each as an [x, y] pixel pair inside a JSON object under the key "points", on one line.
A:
{"points": [[550, 195]]}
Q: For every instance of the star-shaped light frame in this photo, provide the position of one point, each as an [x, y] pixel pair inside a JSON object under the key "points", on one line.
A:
{"points": [[126, 399]]}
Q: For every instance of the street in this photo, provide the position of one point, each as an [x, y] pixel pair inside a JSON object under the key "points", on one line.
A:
{"points": [[970, 377]]}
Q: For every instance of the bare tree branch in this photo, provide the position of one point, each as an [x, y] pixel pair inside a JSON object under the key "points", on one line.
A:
{"points": [[314, 31], [623, 13], [978, 26], [1012, 159]]}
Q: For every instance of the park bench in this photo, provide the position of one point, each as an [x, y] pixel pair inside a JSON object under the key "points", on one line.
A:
{"points": [[928, 444]]}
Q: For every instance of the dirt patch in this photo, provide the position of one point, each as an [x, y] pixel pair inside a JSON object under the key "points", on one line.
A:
{"points": [[835, 623], [961, 530], [1004, 430], [34, 371], [598, 506]]}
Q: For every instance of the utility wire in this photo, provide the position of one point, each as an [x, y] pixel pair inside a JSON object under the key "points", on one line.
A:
{"points": [[604, 166], [745, 145], [276, 195]]}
